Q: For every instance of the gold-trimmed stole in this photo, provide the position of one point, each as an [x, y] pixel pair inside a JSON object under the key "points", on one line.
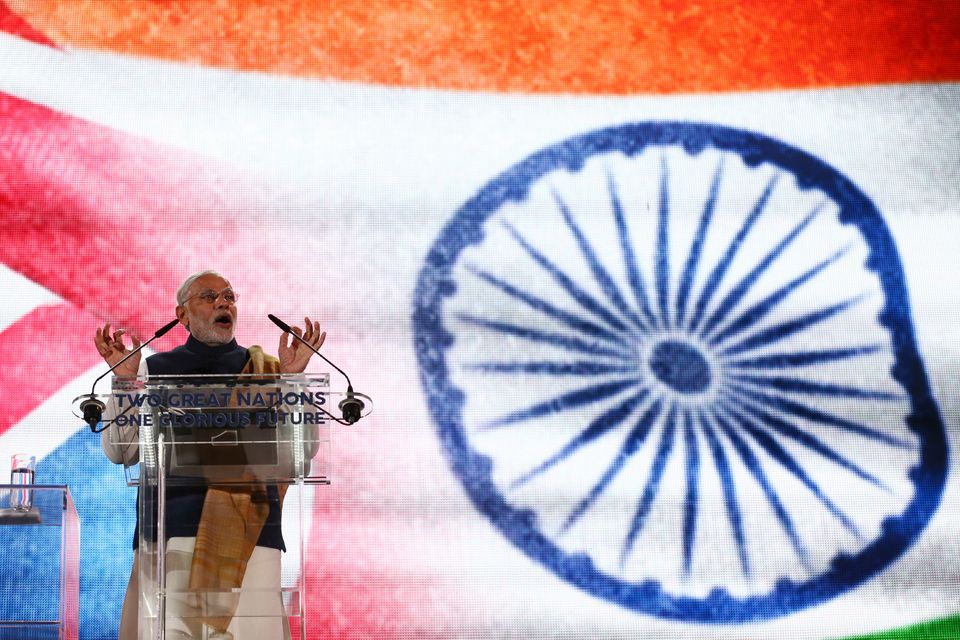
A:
{"points": [[230, 525]]}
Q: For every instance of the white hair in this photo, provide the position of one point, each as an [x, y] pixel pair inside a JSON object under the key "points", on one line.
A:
{"points": [[185, 287]]}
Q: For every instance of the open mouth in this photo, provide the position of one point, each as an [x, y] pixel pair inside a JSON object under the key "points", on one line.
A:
{"points": [[223, 320]]}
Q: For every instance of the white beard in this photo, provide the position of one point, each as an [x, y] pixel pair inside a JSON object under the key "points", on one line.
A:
{"points": [[211, 334]]}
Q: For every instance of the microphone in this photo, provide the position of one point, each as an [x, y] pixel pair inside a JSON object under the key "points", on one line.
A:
{"points": [[351, 406], [92, 408]]}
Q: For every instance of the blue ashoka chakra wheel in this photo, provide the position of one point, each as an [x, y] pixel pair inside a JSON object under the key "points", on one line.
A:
{"points": [[674, 363]]}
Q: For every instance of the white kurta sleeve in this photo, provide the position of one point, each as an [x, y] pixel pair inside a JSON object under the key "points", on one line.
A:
{"points": [[122, 443]]}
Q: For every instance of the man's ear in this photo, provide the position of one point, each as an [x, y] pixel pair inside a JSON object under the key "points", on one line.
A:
{"points": [[182, 316]]}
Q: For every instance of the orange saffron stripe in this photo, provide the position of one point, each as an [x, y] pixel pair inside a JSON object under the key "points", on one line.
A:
{"points": [[546, 46]]}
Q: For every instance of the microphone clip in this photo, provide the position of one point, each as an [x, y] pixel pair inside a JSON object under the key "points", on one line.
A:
{"points": [[351, 407], [93, 412]]}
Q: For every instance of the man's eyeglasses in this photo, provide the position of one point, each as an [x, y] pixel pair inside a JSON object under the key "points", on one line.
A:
{"points": [[210, 296]]}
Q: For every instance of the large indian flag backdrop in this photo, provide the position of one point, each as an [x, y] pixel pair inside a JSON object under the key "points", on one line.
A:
{"points": [[657, 301]]}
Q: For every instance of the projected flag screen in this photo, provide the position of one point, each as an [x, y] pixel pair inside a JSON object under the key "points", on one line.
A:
{"points": [[656, 302]]}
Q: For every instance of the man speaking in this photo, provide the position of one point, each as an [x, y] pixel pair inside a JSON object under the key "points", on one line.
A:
{"points": [[207, 307]]}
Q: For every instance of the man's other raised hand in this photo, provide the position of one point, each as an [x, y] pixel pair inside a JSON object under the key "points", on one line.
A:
{"points": [[294, 356]]}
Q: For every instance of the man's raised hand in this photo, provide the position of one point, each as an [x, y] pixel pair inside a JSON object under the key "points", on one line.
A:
{"points": [[112, 350], [294, 356]]}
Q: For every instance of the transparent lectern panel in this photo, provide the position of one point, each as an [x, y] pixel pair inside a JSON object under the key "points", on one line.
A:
{"points": [[224, 428]]}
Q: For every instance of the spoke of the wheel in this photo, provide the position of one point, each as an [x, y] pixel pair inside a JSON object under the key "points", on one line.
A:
{"points": [[696, 248], [752, 464], [800, 386], [571, 320], [720, 270], [729, 491], [795, 359], [804, 438], [600, 274], [748, 281], [549, 368], [581, 297], [652, 486], [784, 330], [564, 402], [796, 408], [750, 319], [780, 455], [630, 446], [692, 500], [662, 263], [602, 424], [546, 337], [634, 274]]}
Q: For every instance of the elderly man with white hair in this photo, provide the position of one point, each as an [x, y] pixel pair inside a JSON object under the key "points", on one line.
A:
{"points": [[207, 307]]}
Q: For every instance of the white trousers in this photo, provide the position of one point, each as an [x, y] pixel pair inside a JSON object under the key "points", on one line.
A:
{"points": [[259, 608]]}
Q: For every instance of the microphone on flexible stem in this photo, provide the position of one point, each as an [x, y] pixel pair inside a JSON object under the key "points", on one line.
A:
{"points": [[351, 406], [92, 408]]}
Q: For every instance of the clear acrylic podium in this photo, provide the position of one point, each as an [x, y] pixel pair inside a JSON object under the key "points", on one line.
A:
{"points": [[246, 436], [40, 548]]}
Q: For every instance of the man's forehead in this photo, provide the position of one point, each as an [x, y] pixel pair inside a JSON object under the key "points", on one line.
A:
{"points": [[208, 282]]}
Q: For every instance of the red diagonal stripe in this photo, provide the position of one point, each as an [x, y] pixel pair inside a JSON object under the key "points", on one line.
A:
{"points": [[13, 24], [43, 351], [109, 221]]}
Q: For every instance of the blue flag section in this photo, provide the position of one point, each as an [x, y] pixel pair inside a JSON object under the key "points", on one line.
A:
{"points": [[106, 507]]}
